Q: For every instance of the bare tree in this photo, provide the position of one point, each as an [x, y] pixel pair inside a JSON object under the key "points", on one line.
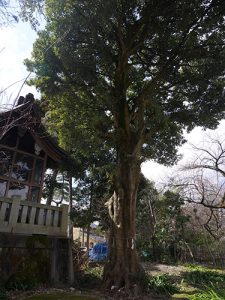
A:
{"points": [[202, 184], [209, 157]]}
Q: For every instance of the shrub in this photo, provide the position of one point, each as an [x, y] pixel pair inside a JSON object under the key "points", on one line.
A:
{"points": [[91, 277], [80, 258], [20, 281], [162, 284]]}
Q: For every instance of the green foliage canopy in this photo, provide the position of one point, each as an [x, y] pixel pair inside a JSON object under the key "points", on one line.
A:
{"points": [[160, 62], [89, 197]]}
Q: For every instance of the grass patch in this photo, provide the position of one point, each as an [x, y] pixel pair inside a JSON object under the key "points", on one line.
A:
{"points": [[202, 283], [211, 294], [201, 276]]}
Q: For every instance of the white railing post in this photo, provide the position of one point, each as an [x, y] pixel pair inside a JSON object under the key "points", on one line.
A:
{"points": [[65, 217], [14, 210]]}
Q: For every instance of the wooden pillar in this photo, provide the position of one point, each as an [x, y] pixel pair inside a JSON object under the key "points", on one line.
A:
{"points": [[70, 262]]}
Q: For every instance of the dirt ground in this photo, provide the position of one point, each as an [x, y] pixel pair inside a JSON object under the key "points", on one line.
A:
{"points": [[157, 269]]}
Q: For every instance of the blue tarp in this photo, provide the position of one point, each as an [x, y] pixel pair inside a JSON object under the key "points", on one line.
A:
{"points": [[99, 252]]}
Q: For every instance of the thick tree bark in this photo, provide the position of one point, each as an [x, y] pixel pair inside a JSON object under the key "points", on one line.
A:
{"points": [[154, 253], [123, 265], [83, 242], [88, 237], [90, 212], [52, 187]]}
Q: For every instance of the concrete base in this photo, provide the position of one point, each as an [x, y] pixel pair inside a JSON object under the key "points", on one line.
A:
{"points": [[15, 250]]}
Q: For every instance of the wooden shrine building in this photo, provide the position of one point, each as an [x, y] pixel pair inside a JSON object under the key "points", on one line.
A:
{"points": [[26, 152]]}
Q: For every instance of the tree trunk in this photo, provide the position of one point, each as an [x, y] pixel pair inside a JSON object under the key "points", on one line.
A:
{"points": [[154, 252], [90, 217], [70, 240], [88, 237], [123, 268], [123, 265], [70, 193], [83, 243]]}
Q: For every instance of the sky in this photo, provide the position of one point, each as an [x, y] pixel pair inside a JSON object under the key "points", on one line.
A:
{"points": [[16, 45]]}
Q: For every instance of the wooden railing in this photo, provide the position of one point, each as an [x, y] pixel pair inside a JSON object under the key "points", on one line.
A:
{"points": [[25, 217]]}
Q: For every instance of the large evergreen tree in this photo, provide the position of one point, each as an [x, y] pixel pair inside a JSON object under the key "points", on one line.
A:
{"points": [[133, 74]]}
